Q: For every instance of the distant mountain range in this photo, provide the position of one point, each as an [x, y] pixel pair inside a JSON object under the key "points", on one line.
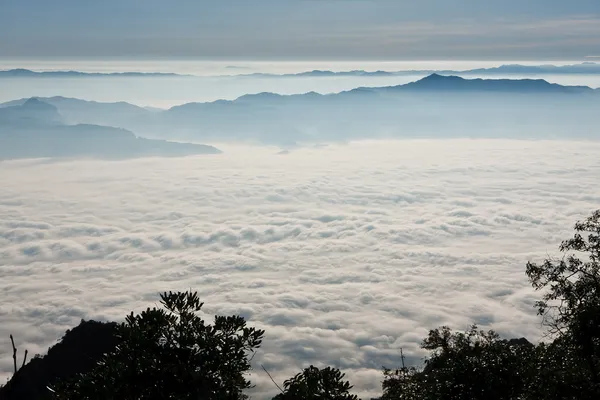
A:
{"points": [[435, 106], [26, 73], [586, 68], [36, 129]]}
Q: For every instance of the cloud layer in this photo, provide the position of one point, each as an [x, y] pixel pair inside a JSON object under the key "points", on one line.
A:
{"points": [[343, 254]]}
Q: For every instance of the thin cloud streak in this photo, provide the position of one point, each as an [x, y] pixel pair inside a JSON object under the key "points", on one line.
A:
{"points": [[266, 29]]}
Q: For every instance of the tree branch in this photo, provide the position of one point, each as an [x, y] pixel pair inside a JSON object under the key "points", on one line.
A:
{"points": [[12, 340], [24, 359], [14, 356], [272, 380]]}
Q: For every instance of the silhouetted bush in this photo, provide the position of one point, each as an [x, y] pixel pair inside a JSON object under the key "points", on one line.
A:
{"points": [[473, 365], [171, 353], [315, 384]]}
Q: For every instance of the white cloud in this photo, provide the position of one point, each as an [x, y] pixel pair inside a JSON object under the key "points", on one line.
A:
{"points": [[343, 254]]}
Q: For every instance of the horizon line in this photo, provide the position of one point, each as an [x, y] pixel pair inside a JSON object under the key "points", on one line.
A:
{"points": [[274, 74]]}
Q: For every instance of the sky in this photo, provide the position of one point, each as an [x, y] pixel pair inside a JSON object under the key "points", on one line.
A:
{"points": [[343, 254], [301, 29]]}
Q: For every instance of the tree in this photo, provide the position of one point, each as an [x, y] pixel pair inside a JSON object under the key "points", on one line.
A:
{"points": [[464, 365], [171, 353], [557, 373], [405, 383], [317, 384], [570, 305]]}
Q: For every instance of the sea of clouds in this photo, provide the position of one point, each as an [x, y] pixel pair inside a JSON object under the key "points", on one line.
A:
{"points": [[344, 254]]}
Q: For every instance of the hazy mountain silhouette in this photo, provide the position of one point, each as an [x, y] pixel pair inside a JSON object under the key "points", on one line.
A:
{"points": [[435, 106], [439, 82], [78, 111], [31, 111], [36, 129], [516, 69], [26, 73], [327, 73], [588, 68]]}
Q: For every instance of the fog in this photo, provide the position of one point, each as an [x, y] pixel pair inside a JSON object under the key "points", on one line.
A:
{"points": [[343, 253]]}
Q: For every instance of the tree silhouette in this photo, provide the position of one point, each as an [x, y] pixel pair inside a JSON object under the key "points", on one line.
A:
{"points": [[171, 353], [78, 351], [570, 305], [464, 365], [317, 384]]}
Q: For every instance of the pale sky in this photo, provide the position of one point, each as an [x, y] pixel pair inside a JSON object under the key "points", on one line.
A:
{"points": [[301, 29]]}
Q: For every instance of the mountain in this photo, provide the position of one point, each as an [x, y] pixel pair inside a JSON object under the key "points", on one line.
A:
{"points": [[26, 73], [30, 111], [75, 111], [438, 82], [436, 106], [36, 129], [328, 73], [586, 68], [320, 73]]}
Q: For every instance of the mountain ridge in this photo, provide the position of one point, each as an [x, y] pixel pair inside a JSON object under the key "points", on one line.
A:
{"points": [[450, 82], [435, 106], [27, 73], [36, 129], [432, 82], [587, 67], [423, 83]]}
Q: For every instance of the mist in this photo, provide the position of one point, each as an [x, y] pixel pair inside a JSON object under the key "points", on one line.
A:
{"points": [[343, 253]]}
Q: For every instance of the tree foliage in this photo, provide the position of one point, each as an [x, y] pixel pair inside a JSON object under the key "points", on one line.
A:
{"points": [[317, 384], [463, 365], [479, 365], [172, 353], [570, 305]]}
